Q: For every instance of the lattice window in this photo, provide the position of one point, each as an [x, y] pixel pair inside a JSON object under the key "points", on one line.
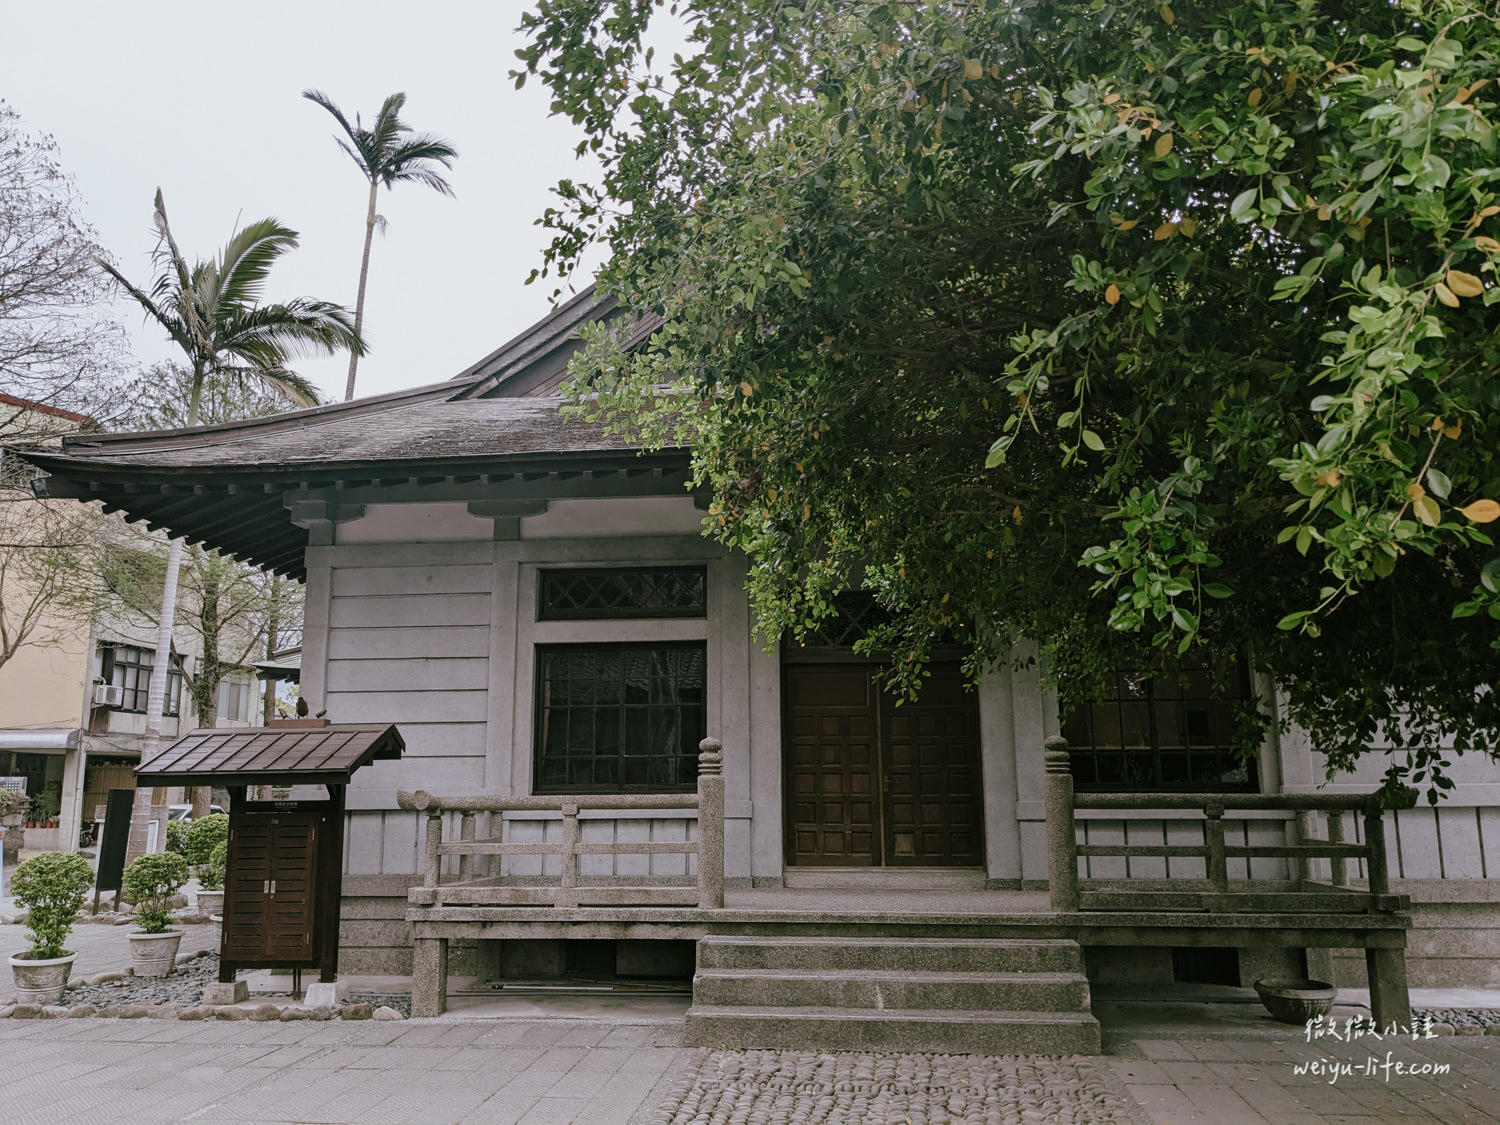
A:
{"points": [[1169, 732], [593, 595], [619, 718], [855, 614]]}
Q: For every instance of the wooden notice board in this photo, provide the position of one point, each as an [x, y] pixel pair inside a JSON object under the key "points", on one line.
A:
{"points": [[282, 885]]}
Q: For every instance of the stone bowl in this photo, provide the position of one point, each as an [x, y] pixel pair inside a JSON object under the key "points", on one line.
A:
{"points": [[1295, 1001]]}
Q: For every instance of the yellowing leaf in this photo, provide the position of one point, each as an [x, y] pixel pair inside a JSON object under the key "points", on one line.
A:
{"points": [[1015, 513], [1289, 83], [1329, 478], [1163, 144], [1325, 212], [1454, 430], [1427, 510], [806, 512], [1437, 424], [1445, 295], [1128, 224], [1464, 284], [1415, 491], [1167, 15], [1164, 232], [1110, 99], [1188, 227], [1488, 211], [771, 495], [1481, 511], [1112, 295], [746, 389], [1255, 96], [1487, 244], [973, 69]]}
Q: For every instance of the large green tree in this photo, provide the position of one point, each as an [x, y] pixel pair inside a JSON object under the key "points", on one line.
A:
{"points": [[387, 153], [1142, 333]]}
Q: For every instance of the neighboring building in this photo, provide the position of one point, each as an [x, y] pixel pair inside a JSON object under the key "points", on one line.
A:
{"points": [[533, 603], [73, 699]]}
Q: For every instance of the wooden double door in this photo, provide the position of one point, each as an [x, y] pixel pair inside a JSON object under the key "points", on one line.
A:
{"points": [[271, 890], [872, 783]]}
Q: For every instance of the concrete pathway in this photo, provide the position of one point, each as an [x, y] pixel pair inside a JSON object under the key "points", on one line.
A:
{"points": [[419, 1071], [1232, 1064]]}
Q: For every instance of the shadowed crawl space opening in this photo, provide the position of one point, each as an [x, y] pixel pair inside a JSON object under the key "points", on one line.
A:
{"points": [[592, 965]]}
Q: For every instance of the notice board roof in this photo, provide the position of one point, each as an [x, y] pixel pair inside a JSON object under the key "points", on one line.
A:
{"points": [[324, 755]]}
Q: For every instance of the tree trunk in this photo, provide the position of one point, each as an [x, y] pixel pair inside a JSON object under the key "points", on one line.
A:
{"points": [[156, 694], [273, 628], [359, 300], [156, 697]]}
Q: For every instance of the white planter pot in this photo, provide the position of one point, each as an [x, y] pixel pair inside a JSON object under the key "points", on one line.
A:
{"points": [[210, 902], [153, 955], [41, 982]]}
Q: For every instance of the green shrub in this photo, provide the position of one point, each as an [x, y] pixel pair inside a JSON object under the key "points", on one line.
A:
{"points": [[177, 832], [211, 874], [151, 881], [203, 834], [52, 886]]}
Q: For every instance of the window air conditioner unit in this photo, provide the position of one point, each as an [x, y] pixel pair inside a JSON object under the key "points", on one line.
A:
{"points": [[108, 695]]}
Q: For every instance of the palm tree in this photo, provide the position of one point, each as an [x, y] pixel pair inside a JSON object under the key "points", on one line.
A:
{"points": [[386, 153], [213, 313]]}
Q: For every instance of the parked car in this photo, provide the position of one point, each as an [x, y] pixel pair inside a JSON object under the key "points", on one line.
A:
{"points": [[185, 812]]}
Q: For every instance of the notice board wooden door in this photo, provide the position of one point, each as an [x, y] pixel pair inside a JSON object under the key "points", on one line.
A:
{"points": [[270, 895], [870, 783]]}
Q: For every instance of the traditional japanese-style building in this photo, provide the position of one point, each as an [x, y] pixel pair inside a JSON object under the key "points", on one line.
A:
{"points": [[532, 602]]}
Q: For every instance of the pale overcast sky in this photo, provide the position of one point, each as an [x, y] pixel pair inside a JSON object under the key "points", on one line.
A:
{"points": [[203, 100]]}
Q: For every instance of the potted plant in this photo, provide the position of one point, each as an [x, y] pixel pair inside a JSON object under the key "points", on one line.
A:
{"points": [[211, 880], [44, 810], [151, 881], [52, 887]]}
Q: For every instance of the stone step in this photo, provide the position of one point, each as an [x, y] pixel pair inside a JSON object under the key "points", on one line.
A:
{"points": [[894, 1029], [891, 988], [975, 955]]}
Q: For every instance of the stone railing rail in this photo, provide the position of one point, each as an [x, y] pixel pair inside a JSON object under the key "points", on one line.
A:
{"points": [[1214, 893], [566, 891]]}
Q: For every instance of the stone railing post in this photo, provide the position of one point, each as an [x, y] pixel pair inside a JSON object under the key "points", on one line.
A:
{"points": [[710, 824], [432, 859], [1062, 838], [567, 893], [1213, 839], [466, 834]]}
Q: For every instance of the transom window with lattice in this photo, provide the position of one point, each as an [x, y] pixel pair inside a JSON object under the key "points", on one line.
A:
{"points": [[589, 594]]}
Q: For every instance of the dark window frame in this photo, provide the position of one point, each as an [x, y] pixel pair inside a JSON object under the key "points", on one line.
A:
{"points": [[134, 676], [543, 717], [1161, 691], [552, 612]]}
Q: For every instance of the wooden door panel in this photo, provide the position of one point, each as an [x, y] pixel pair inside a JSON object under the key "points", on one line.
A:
{"points": [[262, 925], [832, 757], [933, 771], [289, 913]]}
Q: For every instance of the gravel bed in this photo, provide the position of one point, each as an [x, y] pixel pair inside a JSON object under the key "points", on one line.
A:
{"points": [[1459, 1017], [847, 1087], [184, 987], [181, 988]]}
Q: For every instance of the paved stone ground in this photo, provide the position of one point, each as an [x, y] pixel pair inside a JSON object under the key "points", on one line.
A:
{"points": [[847, 1088], [153, 1071], [561, 1071], [1252, 1079]]}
